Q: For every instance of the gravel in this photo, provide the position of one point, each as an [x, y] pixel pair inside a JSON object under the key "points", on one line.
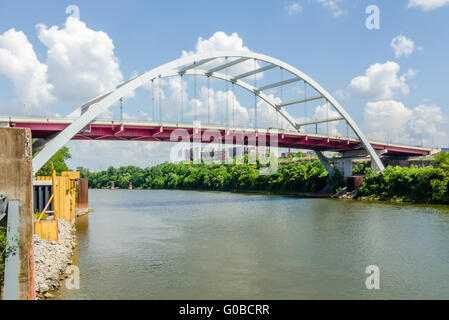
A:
{"points": [[51, 258]]}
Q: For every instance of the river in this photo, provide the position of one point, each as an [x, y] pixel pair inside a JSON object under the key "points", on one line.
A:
{"points": [[168, 244]]}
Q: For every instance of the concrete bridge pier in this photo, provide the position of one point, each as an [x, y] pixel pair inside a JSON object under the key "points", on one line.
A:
{"points": [[345, 164], [16, 182]]}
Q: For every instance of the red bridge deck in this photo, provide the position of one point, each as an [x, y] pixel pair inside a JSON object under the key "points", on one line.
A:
{"points": [[151, 131]]}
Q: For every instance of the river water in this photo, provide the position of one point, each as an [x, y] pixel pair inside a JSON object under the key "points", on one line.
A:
{"points": [[161, 244]]}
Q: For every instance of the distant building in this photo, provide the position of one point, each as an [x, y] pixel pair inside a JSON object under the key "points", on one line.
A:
{"points": [[310, 155], [259, 151], [215, 155], [192, 154]]}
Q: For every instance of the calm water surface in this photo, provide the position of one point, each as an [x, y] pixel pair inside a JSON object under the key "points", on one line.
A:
{"points": [[160, 244]]}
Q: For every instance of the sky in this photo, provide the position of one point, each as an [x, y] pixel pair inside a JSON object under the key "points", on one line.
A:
{"points": [[392, 79]]}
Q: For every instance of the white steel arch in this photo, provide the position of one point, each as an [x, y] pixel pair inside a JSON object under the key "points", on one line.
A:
{"points": [[95, 107], [244, 85]]}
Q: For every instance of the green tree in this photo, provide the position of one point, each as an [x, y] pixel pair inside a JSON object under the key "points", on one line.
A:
{"points": [[441, 160], [58, 161], [5, 249], [84, 172]]}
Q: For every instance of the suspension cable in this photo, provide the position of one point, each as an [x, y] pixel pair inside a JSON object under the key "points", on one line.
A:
{"points": [[233, 106], [282, 97], [255, 97], [227, 95], [160, 100], [177, 109], [208, 99], [327, 117], [194, 93], [152, 99], [182, 97], [121, 109], [305, 106]]}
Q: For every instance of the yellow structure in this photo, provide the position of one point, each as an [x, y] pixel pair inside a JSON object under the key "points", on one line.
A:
{"points": [[64, 201], [64, 190], [47, 230]]}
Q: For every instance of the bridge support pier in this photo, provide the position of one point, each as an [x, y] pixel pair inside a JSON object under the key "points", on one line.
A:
{"points": [[325, 161], [347, 167], [344, 165], [16, 181]]}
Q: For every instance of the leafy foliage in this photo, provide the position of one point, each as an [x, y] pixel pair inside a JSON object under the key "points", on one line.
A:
{"points": [[302, 176], [360, 168], [441, 160], [3, 243], [336, 181], [425, 184], [5, 248], [58, 161]]}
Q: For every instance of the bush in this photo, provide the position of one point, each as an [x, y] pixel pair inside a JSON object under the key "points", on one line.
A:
{"points": [[424, 185], [336, 181], [5, 248], [302, 176], [360, 168]]}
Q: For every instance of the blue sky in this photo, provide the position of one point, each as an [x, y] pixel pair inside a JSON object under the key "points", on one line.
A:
{"points": [[327, 39]]}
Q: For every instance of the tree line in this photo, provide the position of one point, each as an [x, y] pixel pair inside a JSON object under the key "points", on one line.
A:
{"points": [[298, 177], [428, 184]]}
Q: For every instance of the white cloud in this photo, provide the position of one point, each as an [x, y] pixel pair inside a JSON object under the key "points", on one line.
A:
{"points": [[381, 81], [340, 94], [219, 102], [220, 41], [81, 61], [217, 42], [427, 5], [267, 116], [325, 112], [410, 74], [138, 153], [403, 46], [332, 5], [390, 120], [424, 123], [387, 119], [293, 8], [19, 63]]}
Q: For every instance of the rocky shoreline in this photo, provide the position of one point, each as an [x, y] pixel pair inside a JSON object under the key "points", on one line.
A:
{"points": [[51, 259], [344, 195]]}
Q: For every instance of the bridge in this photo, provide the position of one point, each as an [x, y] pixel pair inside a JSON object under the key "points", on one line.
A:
{"points": [[83, 123], [128, 130]]}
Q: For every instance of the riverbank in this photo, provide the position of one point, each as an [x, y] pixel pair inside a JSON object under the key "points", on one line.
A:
{"points": [[302, 178], [318, 195], [343, 195], [51, 259]]}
